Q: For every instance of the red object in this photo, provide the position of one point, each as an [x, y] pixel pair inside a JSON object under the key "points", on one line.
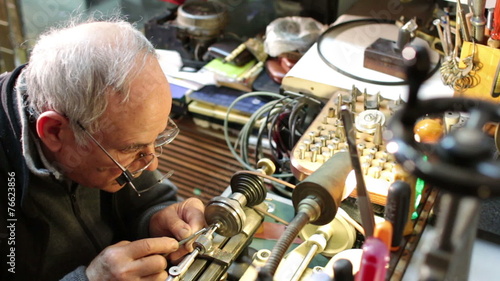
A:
{"points": [[275, 70], [278, 67], [495, 33], [273, 231], [176, 2], [288, 60], [374, 261]]}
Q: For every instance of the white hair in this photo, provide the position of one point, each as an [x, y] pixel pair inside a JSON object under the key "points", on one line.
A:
{"points": [[72, 74]]}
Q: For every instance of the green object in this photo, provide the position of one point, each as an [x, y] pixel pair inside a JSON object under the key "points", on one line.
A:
{"points": [[419, 187], [228, 70]]}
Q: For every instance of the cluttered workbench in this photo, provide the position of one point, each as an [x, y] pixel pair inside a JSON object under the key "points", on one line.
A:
{"points": [[203, 167], [337, 173]]}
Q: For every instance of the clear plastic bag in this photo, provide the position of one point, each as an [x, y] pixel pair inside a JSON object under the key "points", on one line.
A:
{"points": [[292, 34]]}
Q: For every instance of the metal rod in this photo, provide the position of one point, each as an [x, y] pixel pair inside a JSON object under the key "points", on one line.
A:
{"points": [[179, 270], [305, 262], [365, 205], [192, 236]]}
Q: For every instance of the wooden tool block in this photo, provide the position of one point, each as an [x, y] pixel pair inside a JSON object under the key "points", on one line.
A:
{"points": [[488, 74], [319, 142]]}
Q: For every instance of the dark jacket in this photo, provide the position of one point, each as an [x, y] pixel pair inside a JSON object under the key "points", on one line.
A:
{"points": [[51, 229]]}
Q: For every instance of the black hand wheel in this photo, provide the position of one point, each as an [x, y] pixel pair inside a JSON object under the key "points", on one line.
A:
{"points": [[461, 161]]}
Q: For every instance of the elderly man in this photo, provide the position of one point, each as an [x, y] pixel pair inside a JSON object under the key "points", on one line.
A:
{"points": [[81, 127]]}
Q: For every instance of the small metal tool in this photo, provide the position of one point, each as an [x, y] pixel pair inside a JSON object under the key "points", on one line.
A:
{"points": [[192, 236]]}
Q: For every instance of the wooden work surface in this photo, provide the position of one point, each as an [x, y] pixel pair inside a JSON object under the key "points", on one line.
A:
{"points": [[202, 163]]}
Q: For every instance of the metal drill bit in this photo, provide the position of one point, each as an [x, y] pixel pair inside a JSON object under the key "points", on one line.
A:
{"points": [[365, 206]]}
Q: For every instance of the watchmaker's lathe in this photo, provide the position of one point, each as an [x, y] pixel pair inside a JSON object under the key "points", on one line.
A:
{"points": [[233, 220], [232, 223]]}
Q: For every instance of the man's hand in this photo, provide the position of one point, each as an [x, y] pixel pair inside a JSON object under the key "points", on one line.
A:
{"points": [[179, 220], [138, 260]]}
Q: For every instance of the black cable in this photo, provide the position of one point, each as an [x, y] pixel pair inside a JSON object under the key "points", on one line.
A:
{"points": [[356, 23], [292, 121], [298, 122], [283, 132], [300, 113], [270, 136], [272, 124], [282, 118], [266, 126], [263, 128]]}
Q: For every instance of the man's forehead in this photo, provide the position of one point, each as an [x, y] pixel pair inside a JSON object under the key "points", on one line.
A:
{"points": [[145, 112]]}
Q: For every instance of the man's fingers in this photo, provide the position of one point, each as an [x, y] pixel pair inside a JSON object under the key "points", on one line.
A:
{"points": [[122, 243], [150, 265], [193, 210], [132, 260], [166, 222], [151, 246], [187, 219], [176, 256], [162, 276]]}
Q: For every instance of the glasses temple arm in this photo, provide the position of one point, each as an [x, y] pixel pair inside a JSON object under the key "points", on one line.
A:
{"points": [[102, 148], [126, 176]]}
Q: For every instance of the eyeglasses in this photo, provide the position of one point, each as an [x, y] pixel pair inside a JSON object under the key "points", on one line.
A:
{"points": [[139, 165]]}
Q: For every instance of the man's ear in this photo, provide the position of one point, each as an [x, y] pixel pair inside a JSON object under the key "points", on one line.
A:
{"points": [[51, 127]]}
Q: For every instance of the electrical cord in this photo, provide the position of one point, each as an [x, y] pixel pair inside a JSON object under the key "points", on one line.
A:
{"points": [[246, 131], [281, 120], [333, 30], [292, 122], [226, 125], [258, 148]]}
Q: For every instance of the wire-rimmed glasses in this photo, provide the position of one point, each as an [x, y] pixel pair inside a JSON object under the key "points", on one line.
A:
{"points": [[136, 167]]}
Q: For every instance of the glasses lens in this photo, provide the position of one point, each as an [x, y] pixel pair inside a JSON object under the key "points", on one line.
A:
{"points": [[168, 135], [158, 150], [158, 179], [140, 164]]}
